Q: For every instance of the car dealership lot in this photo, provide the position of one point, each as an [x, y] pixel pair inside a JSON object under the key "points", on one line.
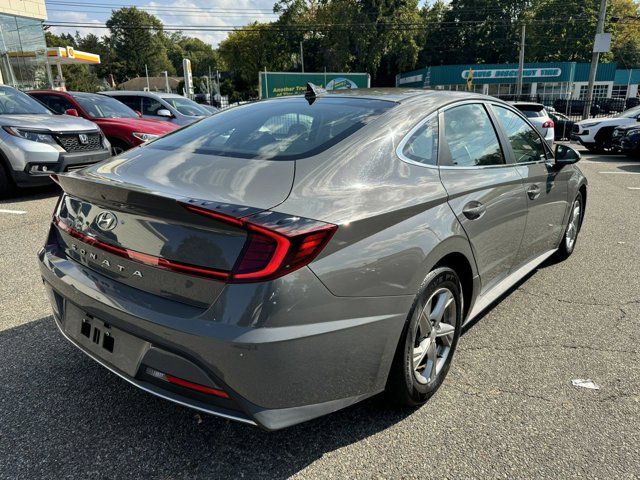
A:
{"points": [[507, 408]]}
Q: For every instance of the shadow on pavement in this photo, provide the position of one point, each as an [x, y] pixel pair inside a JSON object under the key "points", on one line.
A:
{"points": [[29, 194], [62, 415]]}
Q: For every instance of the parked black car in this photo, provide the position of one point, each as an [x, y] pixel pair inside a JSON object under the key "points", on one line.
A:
{"points": [[563, 126], [612, 105], [627, 140], [575, 107]]}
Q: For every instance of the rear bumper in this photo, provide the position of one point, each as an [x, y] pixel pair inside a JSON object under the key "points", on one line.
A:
{"points": [[285, 351], [65, 163]]}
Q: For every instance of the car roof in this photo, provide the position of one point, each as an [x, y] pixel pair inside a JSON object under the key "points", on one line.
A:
{"points": [[142, 93], [539, 106], [404, 95]]}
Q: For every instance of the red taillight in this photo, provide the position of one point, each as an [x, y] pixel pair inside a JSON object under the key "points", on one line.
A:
{"points": [[274, 250], [181, 382], [548, 124]]}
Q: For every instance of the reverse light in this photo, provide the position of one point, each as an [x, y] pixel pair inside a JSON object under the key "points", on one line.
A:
{"points": [[276, 244]]}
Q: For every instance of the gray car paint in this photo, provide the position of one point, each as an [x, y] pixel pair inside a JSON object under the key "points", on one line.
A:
{"points": [[177, 117], [324, 336]]}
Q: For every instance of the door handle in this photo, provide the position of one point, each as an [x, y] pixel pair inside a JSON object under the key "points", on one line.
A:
{"points": [[533, 191], [474, 210]]}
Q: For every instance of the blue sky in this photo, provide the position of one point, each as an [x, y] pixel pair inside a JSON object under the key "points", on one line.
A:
{"points": [[176, 12]]}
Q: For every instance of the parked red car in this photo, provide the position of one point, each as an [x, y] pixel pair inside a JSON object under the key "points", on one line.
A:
{"points": [[122, 126]]}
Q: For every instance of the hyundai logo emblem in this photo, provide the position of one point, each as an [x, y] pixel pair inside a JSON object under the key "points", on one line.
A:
{"points": [[106, 221], [83, 138]]}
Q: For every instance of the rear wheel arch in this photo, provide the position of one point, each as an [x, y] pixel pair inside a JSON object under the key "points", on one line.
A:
{"points": [[460, 264], [583, 191]]}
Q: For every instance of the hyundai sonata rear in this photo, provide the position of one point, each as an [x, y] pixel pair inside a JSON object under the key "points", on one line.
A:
{"points": [[281, 260]]}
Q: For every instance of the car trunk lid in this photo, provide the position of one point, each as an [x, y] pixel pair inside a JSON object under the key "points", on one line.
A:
{"points": [[129, 221]]}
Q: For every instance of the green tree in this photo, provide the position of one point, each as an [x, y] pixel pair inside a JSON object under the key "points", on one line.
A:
{"points": [[201, 54], [137, 39]]}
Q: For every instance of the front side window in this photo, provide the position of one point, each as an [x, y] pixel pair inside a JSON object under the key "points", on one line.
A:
{"points": [[471, 138], [283, 129], [186, 106], [525, 141], [150, 106], [422, 146]]}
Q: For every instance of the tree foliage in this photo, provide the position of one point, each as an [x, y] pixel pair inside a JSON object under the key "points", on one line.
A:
{"points": [[380, 37]]}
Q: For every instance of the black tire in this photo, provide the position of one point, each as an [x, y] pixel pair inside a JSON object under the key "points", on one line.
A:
{"points": [[6, 184], [117, 147], [403, 386], [567, 247], [597, 148]]}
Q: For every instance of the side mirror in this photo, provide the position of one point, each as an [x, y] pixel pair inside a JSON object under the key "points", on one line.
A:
{"points": [[71, 111], [138, 113], [163, 112], [565, 155]]}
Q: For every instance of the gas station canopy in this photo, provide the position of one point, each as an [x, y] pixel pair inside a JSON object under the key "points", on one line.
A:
{"points": [[70, 56]]}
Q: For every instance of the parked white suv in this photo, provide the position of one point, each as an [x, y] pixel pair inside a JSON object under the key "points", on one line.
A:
{"points": [[35, 143], [539, 118], [596, 133]]}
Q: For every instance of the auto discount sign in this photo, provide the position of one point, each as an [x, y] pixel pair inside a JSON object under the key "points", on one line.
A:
{"points": [[280, 84], [496, 73]]}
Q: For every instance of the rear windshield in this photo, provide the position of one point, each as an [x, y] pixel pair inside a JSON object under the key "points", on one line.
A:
{"points": [[282, 129], [531, 111]]}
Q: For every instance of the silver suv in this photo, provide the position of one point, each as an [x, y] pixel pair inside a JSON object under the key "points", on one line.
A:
{"points": [[34, 143]]}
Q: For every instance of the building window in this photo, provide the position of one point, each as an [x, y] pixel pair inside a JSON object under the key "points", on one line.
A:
{"points": [[23, 52], [600, 90], [619, 91]]}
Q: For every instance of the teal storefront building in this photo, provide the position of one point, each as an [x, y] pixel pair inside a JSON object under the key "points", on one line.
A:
{"points": [[542, 81]]}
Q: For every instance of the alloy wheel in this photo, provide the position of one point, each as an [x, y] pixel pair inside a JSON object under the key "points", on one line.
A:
{"points": [[574, 225], [434, 335]]}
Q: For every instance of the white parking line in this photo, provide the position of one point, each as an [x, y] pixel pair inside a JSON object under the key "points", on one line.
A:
{"points": [[624, 173], [633, 188], [14, 212]]}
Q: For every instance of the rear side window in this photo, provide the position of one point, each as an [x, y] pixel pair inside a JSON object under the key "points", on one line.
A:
{"points": [[130, 101], [422, 146], [471, 138], [283, 129]]}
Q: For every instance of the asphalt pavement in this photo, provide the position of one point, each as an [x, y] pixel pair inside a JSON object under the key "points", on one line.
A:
{"points": [[508, 408]]}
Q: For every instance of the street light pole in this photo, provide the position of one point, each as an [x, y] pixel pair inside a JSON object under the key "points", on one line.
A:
{"points": [[301, 57], [595, 57], [521, 62]]}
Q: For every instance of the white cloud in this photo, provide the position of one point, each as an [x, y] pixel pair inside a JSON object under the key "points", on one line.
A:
{"points": [[77, 18], [186, 16]]}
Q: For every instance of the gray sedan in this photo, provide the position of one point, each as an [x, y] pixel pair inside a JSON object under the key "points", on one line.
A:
{"points": [[288, 258], [167, 107]]}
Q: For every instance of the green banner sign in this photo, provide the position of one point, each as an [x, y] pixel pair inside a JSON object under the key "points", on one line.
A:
{"points": [[279, 84]]}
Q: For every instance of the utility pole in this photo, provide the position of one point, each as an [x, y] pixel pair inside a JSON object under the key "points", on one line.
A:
{"points": [[595, 57], [301, 56], [166, 82], [146, 72], [521, 62]]}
